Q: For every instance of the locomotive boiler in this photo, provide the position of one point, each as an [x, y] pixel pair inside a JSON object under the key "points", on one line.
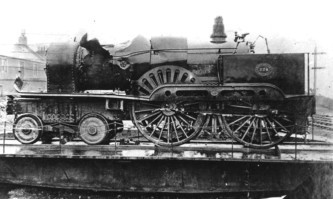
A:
{"points": [[171, 89]]}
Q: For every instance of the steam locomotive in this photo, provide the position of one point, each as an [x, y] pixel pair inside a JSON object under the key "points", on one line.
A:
{"points": [[172, 91]]}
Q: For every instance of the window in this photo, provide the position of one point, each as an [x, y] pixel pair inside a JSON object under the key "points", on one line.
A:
{"points": [[3, 65]]}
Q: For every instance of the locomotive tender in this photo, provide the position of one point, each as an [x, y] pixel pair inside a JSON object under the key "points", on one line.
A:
{"points": [[170, 89]]}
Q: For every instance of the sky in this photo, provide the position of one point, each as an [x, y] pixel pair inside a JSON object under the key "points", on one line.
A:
{"points": [[289, 26]]}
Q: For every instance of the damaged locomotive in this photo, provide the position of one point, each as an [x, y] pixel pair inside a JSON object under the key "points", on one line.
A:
{"points": [[172, 91]]}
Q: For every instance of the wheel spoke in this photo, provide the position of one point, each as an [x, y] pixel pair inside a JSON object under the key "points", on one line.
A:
{"points": [[190, 117], [280, 124], [155, 127], [168, 126], [148, 116], [204, 127], [268, 133], [156, 118], [254, 130], [248, 128], [286, 119], [147, 110], [181, 118], [214, 125], [159, 137], [219, 119], [174, 126], [239, 119], [242, 125], [181, 127], [271, 124]]}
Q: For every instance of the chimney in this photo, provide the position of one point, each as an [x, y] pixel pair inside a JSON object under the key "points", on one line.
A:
{"points": [[23, 39], [218, 36]]}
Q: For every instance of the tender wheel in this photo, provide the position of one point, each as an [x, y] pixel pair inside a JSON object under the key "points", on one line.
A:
{"points": [[165, 123], [259, 130], [27, 129], [94, 129]]}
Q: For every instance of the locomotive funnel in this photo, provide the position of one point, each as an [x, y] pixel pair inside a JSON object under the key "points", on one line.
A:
{"points": [[218, 35]]}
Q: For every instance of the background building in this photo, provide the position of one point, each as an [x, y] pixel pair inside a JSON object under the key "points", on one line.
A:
{"points": [[20, 60]]}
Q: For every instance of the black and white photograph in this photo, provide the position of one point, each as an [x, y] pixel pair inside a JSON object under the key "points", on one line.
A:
{"points": [[166, 99]]}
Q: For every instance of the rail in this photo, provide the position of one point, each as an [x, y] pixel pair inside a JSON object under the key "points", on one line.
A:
{"points": [[322, 121], [297, 148]]}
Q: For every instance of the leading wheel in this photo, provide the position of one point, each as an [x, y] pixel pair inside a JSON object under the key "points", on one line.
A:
{"points": [[94, 129], [27, 129], [260, 129], [167, 123]]}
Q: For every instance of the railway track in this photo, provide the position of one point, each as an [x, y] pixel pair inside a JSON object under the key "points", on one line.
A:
{"points": [[322, 121]]}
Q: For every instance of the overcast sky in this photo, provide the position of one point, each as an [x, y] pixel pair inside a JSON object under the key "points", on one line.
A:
{"points": [[290, 26]]}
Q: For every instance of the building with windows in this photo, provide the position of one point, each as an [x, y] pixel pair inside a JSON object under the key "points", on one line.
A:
{"points": [[20, 60]]}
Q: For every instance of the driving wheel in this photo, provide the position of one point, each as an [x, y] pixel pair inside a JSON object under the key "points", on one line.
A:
{"points": [[167, 123], [261, 127]]}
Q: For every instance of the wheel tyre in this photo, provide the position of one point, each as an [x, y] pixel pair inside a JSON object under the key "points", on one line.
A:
{"points": [[94, 129], [28, 129]]}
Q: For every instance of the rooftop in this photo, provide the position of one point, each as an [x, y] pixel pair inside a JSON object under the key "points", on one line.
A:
{"points": [[20, 50]]}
